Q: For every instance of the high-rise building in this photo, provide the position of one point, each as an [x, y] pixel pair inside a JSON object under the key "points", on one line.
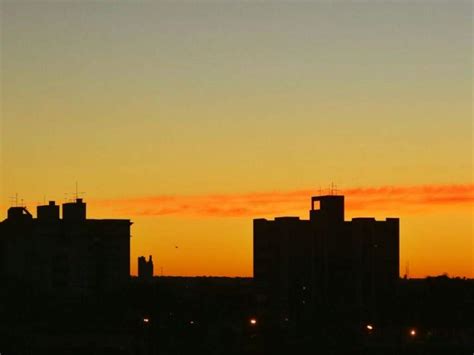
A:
{"points": [[73, 254], [145, 268], [326, 262]]}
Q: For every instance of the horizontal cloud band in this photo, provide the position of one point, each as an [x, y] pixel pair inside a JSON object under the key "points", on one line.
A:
{"points": [[390, 199]]}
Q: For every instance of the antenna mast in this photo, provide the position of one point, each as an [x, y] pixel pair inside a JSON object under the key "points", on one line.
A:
{"points": [[14, 200], [77, 193]]}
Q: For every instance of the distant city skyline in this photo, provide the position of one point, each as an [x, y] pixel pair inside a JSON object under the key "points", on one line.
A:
{"points": [[410, 202], [193, 118]]}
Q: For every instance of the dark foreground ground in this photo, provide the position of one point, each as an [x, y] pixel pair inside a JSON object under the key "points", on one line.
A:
{"points": [[222, 316]]}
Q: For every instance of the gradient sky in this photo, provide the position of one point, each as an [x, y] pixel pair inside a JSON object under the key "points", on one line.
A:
{"points": [[183, 115]]}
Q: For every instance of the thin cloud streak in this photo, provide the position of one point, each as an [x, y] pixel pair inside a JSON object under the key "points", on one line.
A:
{"points": [[390, 199]]}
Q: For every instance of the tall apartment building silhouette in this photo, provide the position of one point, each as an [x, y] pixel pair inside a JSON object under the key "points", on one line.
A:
{"points": [[145, 268], [350, 267], [72, 254]]}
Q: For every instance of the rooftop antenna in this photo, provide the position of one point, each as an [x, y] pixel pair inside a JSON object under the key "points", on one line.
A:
{"points": [[77, 193], [333, 189], [14, 200]]}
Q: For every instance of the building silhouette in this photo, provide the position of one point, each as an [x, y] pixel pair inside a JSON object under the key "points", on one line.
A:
{"points": [[145, 268], [325, 263], [71, 254]]}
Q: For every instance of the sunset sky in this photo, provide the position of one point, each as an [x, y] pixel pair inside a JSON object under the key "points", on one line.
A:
{"points": [[192, 118]]}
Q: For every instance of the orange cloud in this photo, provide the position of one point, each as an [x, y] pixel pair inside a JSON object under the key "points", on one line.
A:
{"points": [[391, 199]]}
